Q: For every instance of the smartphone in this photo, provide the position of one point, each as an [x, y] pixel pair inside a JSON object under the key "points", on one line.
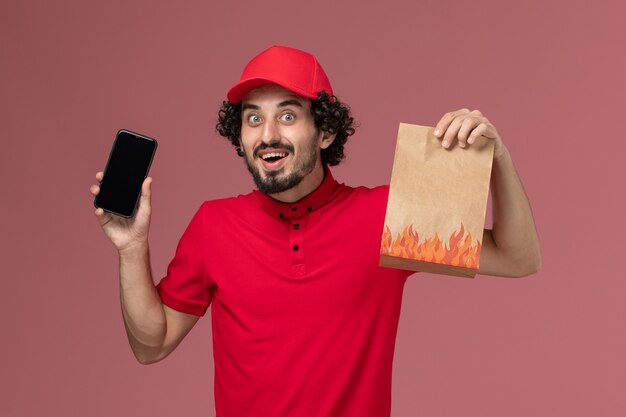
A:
{"points": [[127, 167]]}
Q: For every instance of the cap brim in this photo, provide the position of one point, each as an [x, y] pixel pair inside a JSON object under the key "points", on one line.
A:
{"points": [[239, 90]]}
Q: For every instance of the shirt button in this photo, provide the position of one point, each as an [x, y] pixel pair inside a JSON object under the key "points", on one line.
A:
{"points": [[296, 226], [281, 215], [296, 247], [310, 209], [294, 208]]}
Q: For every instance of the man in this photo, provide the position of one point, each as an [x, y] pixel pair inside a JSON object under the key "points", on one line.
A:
{"points": [[304, 319]]}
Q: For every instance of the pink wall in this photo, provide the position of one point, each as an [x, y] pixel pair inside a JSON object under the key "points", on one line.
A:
{"points": [[550, 77]]}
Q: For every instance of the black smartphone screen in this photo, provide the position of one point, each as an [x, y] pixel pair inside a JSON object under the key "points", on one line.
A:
{"points": [[125, 171]]}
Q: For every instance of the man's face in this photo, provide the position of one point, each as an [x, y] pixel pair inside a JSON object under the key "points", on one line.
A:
{"points": [[279, 138]]}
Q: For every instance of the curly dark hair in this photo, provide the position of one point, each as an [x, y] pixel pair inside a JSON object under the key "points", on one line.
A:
{"points": [[329, 115]]}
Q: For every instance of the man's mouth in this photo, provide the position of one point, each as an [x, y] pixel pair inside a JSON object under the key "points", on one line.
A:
{"points": [[273, 159], [273, 156]]}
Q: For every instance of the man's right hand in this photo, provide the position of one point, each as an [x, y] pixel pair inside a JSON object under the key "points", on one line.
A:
{"points": [[126, 234]]}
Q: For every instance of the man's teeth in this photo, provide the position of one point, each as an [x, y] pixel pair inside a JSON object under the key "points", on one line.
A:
{"points": [[274, 155]]}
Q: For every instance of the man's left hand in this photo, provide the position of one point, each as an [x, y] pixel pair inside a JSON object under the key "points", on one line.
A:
{"points": [[464, 126]]}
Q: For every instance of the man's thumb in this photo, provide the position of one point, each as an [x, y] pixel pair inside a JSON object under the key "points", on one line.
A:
{"points": [[146, 190]]}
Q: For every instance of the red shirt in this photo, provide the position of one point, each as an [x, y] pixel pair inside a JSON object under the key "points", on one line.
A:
{"points": [[304, 320]]}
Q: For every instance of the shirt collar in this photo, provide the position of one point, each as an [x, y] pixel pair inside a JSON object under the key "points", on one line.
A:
{"points": [[313, 201]]}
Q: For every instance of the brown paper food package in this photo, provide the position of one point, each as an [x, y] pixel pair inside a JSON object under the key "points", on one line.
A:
{"points": [[437, 204]]}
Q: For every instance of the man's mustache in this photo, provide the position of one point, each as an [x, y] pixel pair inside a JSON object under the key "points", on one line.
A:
{"points": [[274, 145]]}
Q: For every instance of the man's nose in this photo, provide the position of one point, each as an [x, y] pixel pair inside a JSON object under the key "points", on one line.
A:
{"points": [[270, 132]]}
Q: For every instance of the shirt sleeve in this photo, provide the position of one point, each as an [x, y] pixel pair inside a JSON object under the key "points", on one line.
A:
{"points": [[186, 287]]}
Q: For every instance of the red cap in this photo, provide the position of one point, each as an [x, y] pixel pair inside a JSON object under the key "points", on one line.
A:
{"points": [[290, 68]]}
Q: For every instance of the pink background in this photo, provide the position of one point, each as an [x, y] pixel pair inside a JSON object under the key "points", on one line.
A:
{"points": [[550, 75]]}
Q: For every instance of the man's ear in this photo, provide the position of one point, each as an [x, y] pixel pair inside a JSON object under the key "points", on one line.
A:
{"points": [[327, 139]]}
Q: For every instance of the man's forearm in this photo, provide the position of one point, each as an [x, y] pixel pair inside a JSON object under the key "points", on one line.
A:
{"points": [[514, 231], [142, 309]]}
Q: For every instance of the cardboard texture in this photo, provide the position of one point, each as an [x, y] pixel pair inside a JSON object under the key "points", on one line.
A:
{"points": [[437, 204]]}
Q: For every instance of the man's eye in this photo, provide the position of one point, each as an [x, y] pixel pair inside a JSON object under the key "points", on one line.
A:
{"points": [[254, 118], [288, 117]]}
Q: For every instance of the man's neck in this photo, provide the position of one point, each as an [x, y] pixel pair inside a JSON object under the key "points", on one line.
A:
{"points": [[308, 184]]}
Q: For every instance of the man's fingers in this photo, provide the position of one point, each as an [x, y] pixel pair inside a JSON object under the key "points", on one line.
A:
{"points": [[468, 124], [146, 194], [103, 216], [482, 129], [146, 187], [94, 189], [471, 129], [451, 132], [99, 176], [446, 120], [463, 126]]}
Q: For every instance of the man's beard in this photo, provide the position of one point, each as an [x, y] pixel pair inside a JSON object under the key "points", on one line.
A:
{"points": [[274, 182]]}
